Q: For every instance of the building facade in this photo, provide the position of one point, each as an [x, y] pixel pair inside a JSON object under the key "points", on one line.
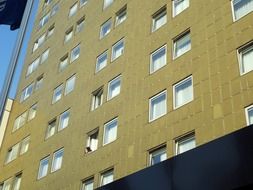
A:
{"points": [[110, 87]]}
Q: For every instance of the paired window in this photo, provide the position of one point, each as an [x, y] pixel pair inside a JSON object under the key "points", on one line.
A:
{"points": [[105, 28], [183, 92], [179, 6], [73, 10], [114, 87], [157, 106], [158, 59], [249, 115], [241, 8], [27, 92], [159, 19], [97, 98], [117, 49], [157, 155], [106, 177], [245, 56], [121, 16], [182, 44], [101, 61], [110, 131], [185, 143], [92, 141], [107, 3], [75, 53], [68, 35]]}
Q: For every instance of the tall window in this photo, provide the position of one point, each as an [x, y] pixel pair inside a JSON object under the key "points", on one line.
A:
{"points": [[101, 61], [70, 84], [50, 31], [38, 83], [121, 16], [157, 155], [68, 35], [16, 182], [12, 153], [107, 3], [158, 59], [73, 10], [33, 66], [6, 185], [157, 106], [183, 92], [185, 143], [110, 131], [19, 121], [241, 8], [32, 112], [44, 20], [63, 63], [64, 120], [83, 2], [51, 129], [245, 55], [25, 145], [44, 56], [27, 92], [92, 141], [75, 53], [55, 9], [179, 6], [249, 115], [105, 28], [57, 160], [97, 98], [43, 168], [117, 49], [114, 87], [80, 25], [182, 44], [57, 93], [88, 184], [106, 177], [159, 19]]}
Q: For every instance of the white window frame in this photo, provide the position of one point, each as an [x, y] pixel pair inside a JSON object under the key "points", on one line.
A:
{"points": [[62, 118], [75, 57], [17, 123], [110, 83], [105, 53], [105, 127], [164, 92], [53, 166], [46, 159], [173, 7], [233, 12], [25, 145], [242, 50], [83, 2], [12, 153], [157, 151], [27, 92], [33, 66], [106, 24], [70, 84], [106, 5], [182, 139], [105, 174], [157, 16], [56, 90], [121, 16], [92, 143], [247, 109], [64, 62], [177, 39], [32, 112], [51, 124], [151, 59], [69, 34], [44, 55], [38, 83], [87, 182], [17, 181], [73, 9], [96, 95], [55, 9], [117, 44], [80, 25], [50, 31]]}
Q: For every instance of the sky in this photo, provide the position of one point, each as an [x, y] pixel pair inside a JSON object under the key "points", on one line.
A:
{"points": [[7, 44]]}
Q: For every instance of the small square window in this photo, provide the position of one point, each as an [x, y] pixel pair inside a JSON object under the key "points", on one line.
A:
{"points": [[44, 56], [110, 131], [64, 120], [245, 56], [38, 83], [121, 16], [80, 25], [185, 143], [75, 53], [63, 63], [183, 92], [51, 129], [70, 84], [107, 3], [73, 10], [25, 145], [157, 106], [57, 160], [249, 115], [114, 87], [105, 28], [101, 61], [32, 112], [158, 59], [97, 98], [241, 8], [117, 49], [43, 168], [106, 177], [157, 155], [179, 6], [182, 44], [92, 141], [159, 19], [88, 184], [68, 35], [57, 93]]}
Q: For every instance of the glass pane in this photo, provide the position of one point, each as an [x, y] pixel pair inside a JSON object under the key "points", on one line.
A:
{"points": [[183, 93], [247, 60], [64, 120], [180, 5], [101, 61], [57, 160], [186, 144], [70, 85], [158, 106], [114, 88], [117, 50], [43, 168], [110, 131], [242, 7], [158, 59], [250, 116], [182, 45]]}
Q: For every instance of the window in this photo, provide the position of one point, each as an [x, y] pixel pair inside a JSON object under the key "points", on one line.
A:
{"points": [[55, 9], [80, 25], [158, 59], [159, 19], [33, 66], [27, 92], [157, 156], [121, 16], [57, 160], [114, 87], [39, 42], [51, 129], [249, 115], [157, 106], [245, 56], [43, 168], [110, 131], [38, 83], [241, 8], [32, 112], [97, 98], [19, 121], [57, 93], [106, 177], [50, 31], [12, 153], [73, 10], [107, 3], [182, 44], [101, 61], [63, 63], [92, 141], [64, 120], [44, 20], [6, 185], [83, 2], [70, 84], [117, 49], [75, 53], [24, 145], [179, 6], [17, 182], [185, 143], [68, 35], [183, 92], [47, 2], [44, 56], [88, 184], [105, 28]]}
